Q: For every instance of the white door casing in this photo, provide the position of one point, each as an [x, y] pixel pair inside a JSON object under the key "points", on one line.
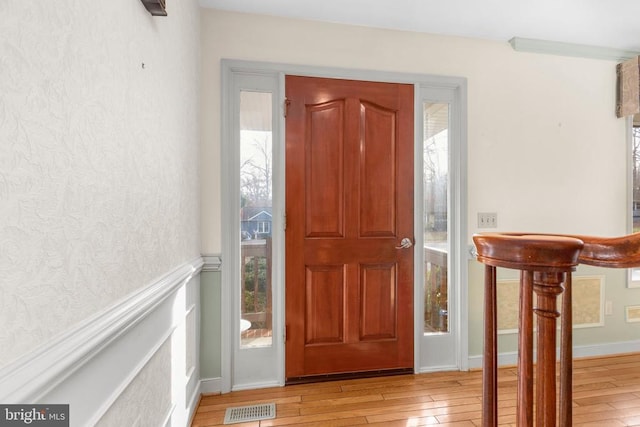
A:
{"points": [[263, 367]]}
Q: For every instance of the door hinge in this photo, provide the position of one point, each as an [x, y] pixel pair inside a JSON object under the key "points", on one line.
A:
{"points": [[284, 221], [286, 328], [287, 102]]}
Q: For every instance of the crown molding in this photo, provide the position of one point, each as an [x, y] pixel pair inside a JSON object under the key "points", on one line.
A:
{"points": [[521, 44]]}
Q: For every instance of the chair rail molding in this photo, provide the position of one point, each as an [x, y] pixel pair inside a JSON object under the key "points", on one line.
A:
{"points": [[35, 375], [212, 262]]}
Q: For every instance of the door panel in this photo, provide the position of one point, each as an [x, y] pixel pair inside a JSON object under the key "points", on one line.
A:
{"points": [[378, 312], [325, 169], [324, 302], [349, 203], [378, 172]]}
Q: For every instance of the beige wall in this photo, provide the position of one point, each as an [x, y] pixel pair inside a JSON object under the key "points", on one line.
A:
{"points": [[545, 150]]}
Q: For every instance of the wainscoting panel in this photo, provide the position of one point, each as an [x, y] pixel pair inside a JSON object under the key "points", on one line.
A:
{"points": [[98, 365]]}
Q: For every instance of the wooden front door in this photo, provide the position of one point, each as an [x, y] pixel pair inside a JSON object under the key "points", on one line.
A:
{"points": [[349, 204]]}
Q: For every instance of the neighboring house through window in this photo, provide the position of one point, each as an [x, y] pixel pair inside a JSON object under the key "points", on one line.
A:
{"points": [[256, 222]]}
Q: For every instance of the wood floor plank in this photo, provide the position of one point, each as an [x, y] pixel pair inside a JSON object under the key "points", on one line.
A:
{"points": [[349, 422], [605, 423], [630, 421], [631, 403], [590, 409], [606, 392]]}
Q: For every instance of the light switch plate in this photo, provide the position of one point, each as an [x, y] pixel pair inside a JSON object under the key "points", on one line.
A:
{"points": [[487, 220]]}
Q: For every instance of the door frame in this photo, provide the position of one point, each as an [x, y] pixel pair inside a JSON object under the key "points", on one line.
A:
{"points": [[458, 221], [459, 250]]}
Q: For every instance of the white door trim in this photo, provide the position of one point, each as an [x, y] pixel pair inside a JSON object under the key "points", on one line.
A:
{"points": [[457, 339], [229, 236]]}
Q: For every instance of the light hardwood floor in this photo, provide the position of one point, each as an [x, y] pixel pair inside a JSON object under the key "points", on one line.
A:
{"points": [[606, 392]]}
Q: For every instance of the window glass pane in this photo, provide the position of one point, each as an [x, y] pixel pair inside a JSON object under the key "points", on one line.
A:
{"points": [[436, 236], [635, 140], [634, 275], [256, 217]]}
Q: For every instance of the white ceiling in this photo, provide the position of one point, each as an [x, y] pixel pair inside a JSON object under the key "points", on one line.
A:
{"points": [[604, 23]]}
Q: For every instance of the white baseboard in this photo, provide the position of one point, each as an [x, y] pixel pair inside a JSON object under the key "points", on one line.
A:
{"points": [[607, 349], [595, 350], [254, 386], [504, 359], [192, 403], [444, 368], [211, 385], [103, 354], [215, 386]]}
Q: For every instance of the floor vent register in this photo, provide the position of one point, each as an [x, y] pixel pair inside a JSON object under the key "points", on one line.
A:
{"points": [[243, 414]]}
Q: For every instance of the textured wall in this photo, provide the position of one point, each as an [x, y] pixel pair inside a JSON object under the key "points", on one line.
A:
{"points": [[99, 137]]}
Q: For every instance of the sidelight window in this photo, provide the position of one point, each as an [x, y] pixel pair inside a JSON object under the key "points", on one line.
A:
{"points": [[634, 277], [256, 171], [436, 217]]}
